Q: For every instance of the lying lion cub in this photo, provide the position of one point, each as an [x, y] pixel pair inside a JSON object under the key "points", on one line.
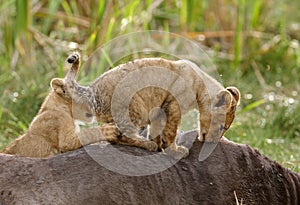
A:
{"points": [[156, 92], [53, 131]]}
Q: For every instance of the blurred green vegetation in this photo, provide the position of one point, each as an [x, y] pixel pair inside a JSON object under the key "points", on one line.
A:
{"points": [[255, 45]]}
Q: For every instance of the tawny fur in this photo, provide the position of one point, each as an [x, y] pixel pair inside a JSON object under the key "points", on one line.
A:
{"points": [[151, 105], [53, 131]]}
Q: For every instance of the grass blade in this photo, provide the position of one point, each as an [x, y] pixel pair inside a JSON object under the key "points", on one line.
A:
{"points": [[53, 8], [239, 33], [255, 13], [253, 105]]}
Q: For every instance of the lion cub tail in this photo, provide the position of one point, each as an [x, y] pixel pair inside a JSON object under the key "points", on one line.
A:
{"points": [[73, 59]]}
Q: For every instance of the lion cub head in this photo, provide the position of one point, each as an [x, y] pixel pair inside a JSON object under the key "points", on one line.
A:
{"points": [[59, 87], [80, 111], [223, 108]]}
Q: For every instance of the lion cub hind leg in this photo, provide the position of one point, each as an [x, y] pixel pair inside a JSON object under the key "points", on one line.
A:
{"points": [[170, 132]]}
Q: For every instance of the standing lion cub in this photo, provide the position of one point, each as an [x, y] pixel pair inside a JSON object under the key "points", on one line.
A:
{"points": [[156, 92]]}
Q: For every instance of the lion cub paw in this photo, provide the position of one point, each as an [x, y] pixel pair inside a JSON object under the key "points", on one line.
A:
{"points": [[177, 152], [151, 146]]}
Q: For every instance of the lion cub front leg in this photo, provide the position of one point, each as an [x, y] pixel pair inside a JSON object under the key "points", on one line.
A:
{"points": [[106, 132], [131, 137], [158, 120], [111, 133], [211, 126], [170, 132], [138, 141]]}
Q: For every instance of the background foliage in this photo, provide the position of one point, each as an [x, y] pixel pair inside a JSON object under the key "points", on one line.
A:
{"points": [[254, 43]]}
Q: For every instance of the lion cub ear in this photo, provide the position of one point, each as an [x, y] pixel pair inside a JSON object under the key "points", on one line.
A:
{"points": [[235, 94], [223, 98], [58, 85]]}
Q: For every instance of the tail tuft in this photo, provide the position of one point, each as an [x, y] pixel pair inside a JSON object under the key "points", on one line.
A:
{"points": [[73, 58]]}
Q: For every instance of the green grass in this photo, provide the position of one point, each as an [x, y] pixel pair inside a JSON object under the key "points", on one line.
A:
{"points": [[255, 45]]}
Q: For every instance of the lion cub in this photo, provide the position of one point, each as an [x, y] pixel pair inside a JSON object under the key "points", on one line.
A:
{"points": [[156, 92], [53, 131]]}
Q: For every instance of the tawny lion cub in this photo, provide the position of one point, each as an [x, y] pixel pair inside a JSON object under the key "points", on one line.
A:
{"points": [[156, 92], [53, 131]]}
